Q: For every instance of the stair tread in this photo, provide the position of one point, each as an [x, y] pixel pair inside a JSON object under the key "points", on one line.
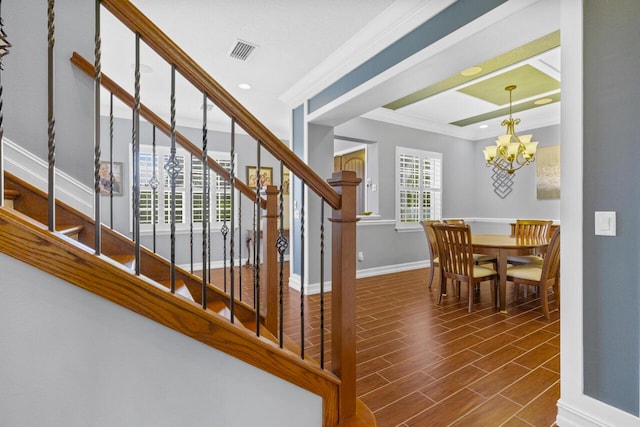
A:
{"points": [[69, 229], [11, 194], [181, 288], [125, 259]]}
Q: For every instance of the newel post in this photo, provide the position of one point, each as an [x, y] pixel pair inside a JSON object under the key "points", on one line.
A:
{"points": [[270, 266], [343, 290]]}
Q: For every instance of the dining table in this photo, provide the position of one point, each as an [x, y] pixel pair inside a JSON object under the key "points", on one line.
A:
{"points": [[502, 246]]}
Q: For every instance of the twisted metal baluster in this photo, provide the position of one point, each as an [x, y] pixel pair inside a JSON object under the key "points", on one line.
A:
{"points": [[153, 183], [240, 246], [322, 284], [111, 159], [96, 129], [256, 243], [232, 181], [136, 157], [224, 230], [281, 245], [302, 255], [4, 50], [173, 168], [205, 200], [50, 115], [191, 218]]}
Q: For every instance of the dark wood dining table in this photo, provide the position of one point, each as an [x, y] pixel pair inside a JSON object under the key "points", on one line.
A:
{"points": [[503, 246]]}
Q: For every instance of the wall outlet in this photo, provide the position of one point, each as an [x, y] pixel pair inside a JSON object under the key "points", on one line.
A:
{"points": [[360, 256]]}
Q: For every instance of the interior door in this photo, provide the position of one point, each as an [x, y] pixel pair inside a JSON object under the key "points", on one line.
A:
{"points": [[355, 162]]}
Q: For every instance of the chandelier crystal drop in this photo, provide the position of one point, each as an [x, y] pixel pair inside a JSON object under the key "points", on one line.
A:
{"points": [[511, 152]]}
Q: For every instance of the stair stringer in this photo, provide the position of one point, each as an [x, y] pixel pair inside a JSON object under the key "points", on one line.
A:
{"points": [[21, 238]]}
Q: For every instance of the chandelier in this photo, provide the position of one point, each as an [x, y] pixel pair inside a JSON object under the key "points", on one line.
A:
{"points": [[510, 152]]}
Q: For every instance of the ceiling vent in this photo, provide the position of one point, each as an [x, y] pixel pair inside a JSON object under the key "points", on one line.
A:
{"points": [[242, 49]]}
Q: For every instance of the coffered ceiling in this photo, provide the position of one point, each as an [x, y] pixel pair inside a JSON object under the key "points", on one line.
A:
{"points": [[302, 46]]}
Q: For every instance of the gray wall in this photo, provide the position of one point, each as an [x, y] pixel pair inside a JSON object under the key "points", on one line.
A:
{"points": [[217, 141], [25, 83], [611, 155], [467, 189], [70, 358], [522, 202]]}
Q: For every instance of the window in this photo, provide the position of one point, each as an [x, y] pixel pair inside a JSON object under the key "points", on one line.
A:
{"points": [[189, 182], [418, 187]]}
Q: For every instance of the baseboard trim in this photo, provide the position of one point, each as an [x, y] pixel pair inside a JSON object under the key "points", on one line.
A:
{"points": [[35, 171], [388, 269], [569, 416]]}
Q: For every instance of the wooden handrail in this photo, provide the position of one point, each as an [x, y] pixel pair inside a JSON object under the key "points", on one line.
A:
{"points": [[135, 20], [83, 65]]}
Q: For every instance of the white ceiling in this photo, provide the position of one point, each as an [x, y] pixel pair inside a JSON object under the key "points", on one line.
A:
{"points": [[304, 44]]}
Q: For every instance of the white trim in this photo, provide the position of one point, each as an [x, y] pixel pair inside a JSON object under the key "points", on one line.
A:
{"points": [[374, 221], [26, 166], [218, 264], [571, 417], [391, 25], [387, 269]]}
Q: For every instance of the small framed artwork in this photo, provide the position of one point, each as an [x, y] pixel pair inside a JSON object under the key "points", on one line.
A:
{"points": [[548, 172], [266, 176], [107, 183]]}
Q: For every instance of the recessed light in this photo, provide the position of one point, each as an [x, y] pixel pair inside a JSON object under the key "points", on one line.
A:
{"points": [[484, 126], [244, 86], [543, 101], [471, 71]]}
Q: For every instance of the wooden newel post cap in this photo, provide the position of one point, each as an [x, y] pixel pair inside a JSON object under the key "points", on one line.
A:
{"points": [[344, 179]]}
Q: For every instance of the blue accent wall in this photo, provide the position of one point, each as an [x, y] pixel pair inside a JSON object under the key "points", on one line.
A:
{"points": [[297, 139], [449, 20], [611, 157]]}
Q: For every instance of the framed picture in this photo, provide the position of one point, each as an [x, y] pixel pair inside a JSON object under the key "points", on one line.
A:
{"points": [[286, 182], [548, 172], [105, 178], [266, 176]]}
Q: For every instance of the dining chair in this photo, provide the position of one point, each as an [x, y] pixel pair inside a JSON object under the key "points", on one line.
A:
{"points": [[477, 258], [544, 277], [530, 229], [454, 221], [433, 246], [456, 261]]}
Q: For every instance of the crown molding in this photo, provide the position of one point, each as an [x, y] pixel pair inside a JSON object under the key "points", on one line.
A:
{"points": [[397, 20]]}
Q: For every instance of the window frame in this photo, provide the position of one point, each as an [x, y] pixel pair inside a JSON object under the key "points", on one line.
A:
{"points": [[164, 189], [435, 189]]}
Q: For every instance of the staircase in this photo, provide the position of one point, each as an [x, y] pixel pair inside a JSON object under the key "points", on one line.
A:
{"points": [[73, 247]]}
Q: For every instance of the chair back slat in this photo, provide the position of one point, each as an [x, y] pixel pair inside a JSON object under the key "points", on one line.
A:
{"points": [[431, 237], [532, 229], [454, 221], [455, 249], [551, 265]]}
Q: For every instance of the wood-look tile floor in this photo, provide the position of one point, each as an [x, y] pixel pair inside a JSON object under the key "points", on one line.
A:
{"points": [[424, 364]]}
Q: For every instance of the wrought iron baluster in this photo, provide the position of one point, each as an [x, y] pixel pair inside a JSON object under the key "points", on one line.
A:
{"points": [[256, 242], [4, 50], [232, 180], [302, 266], [96, 129], [191, 217], [240, 246], [111, 160], [136, 156], [51, 143], [153, 183], [224, 230], [205, 200], [281, 245], [173, 169], [322, 284]]}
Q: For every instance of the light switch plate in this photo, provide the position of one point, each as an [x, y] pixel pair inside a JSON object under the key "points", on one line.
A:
{"points": [[605, 223]]}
